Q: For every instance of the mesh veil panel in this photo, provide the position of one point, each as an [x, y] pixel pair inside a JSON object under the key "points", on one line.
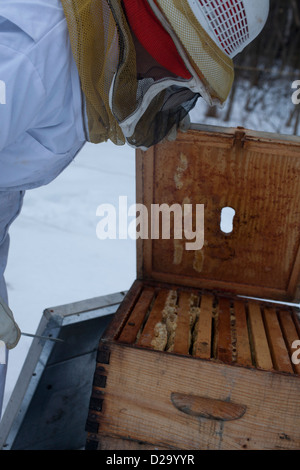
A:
{"points": [[95, 45], [131, 96], [152, 102], [228, 21], [116, 74], [210, 63], [174, 104]]}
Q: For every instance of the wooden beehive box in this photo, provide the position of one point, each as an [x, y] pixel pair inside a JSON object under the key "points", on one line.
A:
{"points": [[199, 354]]}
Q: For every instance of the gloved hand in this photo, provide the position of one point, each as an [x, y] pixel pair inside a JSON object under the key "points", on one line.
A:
{"points": [[9, 330]]}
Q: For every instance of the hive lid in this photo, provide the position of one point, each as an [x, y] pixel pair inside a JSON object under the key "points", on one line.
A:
{"points": [[258, 175]]}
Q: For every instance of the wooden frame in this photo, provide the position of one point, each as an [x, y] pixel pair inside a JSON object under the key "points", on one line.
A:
{"points": [[256, 154], [226, 380]]}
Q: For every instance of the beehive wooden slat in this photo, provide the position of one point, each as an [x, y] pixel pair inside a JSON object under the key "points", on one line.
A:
{"points": [[202, 345], [182, 334], [296, 319], [290, 333], [224, 343], [278, 349], [134, 324], [243, 351], [261, 350], [154, 318]]}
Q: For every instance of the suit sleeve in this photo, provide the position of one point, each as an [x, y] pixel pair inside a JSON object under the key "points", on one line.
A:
{"points": [[21, 94]]}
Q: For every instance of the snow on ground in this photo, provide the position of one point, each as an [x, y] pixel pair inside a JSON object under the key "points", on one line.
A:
{"points": [[55, 256]]}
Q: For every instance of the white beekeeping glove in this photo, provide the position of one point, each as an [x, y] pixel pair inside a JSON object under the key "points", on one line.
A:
{"points": [[9, 330]]}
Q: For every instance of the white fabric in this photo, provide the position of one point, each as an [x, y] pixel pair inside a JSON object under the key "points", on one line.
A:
{"points": [[41, 123], [9, 330], [3, 371], [41, 126], [232, 24], [10, 207]]}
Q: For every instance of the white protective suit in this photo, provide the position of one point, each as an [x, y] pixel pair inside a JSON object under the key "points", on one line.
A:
{"points": [[42, 122]]}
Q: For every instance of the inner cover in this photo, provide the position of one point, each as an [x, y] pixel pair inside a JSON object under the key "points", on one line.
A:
{"points": [[256, 174]]}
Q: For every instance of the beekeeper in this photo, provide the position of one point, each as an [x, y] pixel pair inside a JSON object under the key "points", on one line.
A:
{"points": [[128, 71]]}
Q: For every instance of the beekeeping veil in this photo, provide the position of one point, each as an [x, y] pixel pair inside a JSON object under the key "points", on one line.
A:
{"points": [[144, 63]]}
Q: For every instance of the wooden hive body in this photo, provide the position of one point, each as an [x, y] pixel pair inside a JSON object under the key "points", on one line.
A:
{"points": [[201, 353]]}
